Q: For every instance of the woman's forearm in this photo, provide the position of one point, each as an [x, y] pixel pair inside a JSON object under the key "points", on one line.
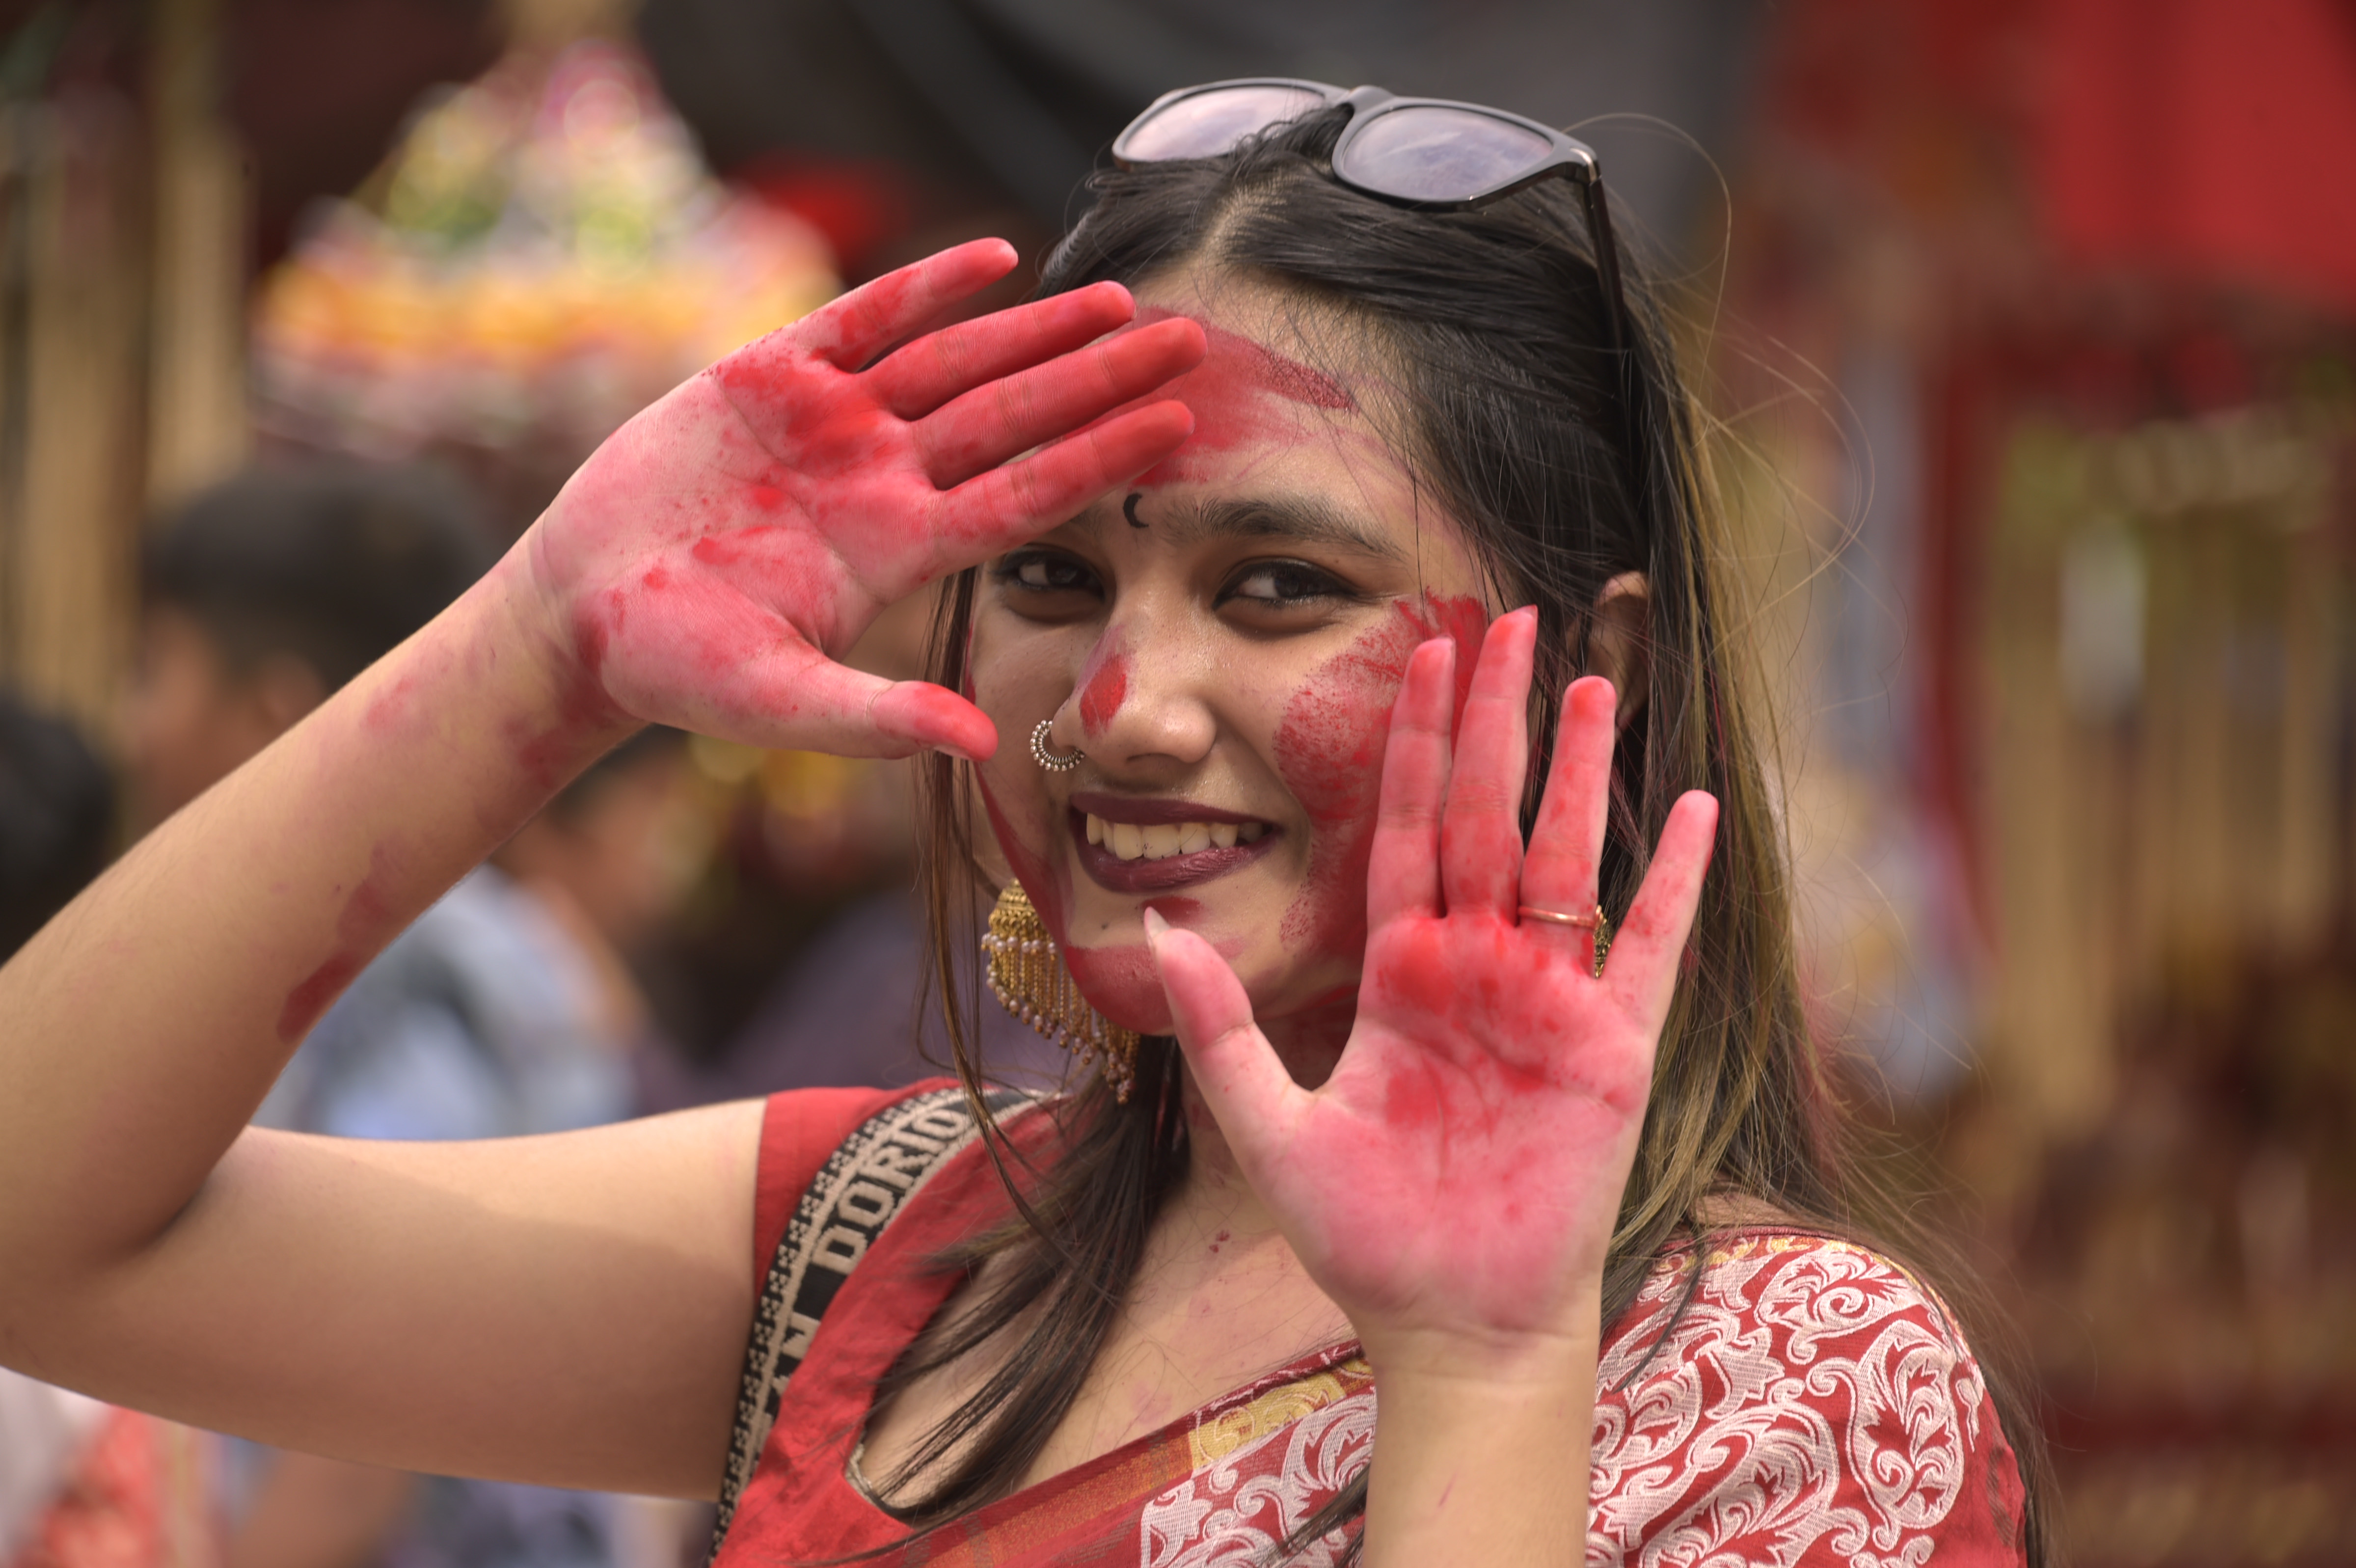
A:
{"points": [[144, 1024], [1481, 1456]]}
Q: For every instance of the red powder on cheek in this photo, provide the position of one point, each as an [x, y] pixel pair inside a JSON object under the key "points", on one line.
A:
{"points": [[1329, 750], [1106, 690], [1123, 982], [1461, 619]]}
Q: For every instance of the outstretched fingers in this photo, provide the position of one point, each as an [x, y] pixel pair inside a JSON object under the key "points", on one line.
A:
{"points": [[1242, 1079], [1001, 507], [1481, 830], [1002, 417], [919, 377], [1651, 943], [1403, 868], [849, 331], [1567, 843]]}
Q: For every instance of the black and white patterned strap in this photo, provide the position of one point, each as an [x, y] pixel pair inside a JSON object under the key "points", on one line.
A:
{"points": [[867, 1179]]}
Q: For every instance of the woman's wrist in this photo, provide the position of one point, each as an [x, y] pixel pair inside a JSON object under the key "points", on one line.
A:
{"points": [[1480, 1447], [493, 698], [570, 712]]}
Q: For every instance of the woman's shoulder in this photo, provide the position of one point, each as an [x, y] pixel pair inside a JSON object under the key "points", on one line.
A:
{"points": [[815, 1140], [1790, 1279], [801, 1129], [1779, 1394]]}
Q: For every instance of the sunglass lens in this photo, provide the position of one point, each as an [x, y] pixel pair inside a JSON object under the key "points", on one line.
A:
{"points": [[1430, 153], [1208, 124]]}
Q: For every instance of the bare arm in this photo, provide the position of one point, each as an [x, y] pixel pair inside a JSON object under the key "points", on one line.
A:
{"points": [[566, 1309]]}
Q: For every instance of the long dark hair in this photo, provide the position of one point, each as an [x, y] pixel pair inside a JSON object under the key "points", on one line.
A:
{"points": [[1565, 472]]}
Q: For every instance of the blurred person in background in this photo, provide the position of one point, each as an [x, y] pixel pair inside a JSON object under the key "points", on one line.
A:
{"points": [[499, 1013], [82, 1483], [611, 860]]}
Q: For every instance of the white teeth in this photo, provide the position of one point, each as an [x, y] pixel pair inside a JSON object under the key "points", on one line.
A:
{"points": [[1160, 841]]}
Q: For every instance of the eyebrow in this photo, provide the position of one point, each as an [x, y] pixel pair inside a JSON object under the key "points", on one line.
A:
{"points": [[1296, 520]]}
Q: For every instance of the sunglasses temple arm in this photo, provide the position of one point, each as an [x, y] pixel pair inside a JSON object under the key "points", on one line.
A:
{"points": [[1615, 307], [1606, 263]]}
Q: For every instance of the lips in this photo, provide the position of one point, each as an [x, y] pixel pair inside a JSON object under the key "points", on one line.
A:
{"points": [[1151, 846]]}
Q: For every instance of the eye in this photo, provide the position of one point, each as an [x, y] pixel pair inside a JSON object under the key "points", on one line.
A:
{"points": [[1046, 572], [1275, 584]]}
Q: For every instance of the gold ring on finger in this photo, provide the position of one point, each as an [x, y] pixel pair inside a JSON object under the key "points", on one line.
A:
{"points": [[1591, 920]]}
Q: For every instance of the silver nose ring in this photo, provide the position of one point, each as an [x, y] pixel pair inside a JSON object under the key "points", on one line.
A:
{"points": [[1048, 759]]}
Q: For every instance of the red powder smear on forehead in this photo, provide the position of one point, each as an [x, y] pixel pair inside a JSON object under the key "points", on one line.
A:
{"points": [[1248, 362], [1106, 690], [1236, 395], [1329, 750]]}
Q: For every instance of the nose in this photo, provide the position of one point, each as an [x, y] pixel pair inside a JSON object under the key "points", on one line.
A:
{"points": [[1139, 703]]}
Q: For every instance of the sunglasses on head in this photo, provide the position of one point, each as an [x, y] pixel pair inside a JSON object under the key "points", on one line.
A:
{"points": [[1427, 153]]}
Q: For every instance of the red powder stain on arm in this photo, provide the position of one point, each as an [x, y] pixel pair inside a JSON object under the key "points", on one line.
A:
{"points": [[549, 753], [1106, 690], [361, 928]]}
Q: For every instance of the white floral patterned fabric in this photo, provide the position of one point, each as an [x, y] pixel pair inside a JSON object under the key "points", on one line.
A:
{"points": [[1770, 1398], [1806, 1402]]}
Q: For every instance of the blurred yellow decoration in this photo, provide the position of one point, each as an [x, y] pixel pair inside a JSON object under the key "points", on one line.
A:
{"points": [[809, 783], [805, 784], [723, 761], [543, 255]]}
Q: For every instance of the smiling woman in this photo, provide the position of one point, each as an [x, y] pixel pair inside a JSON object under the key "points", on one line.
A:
{"points": [[1344, 554]]}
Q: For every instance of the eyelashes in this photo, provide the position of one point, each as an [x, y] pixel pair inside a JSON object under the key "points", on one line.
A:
{"points": [[1279, 584], [1046, 572], [1055, 582]]}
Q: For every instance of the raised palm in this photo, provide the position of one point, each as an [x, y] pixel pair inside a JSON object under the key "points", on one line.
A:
{"points": [[1460, 1172], [713, 558]]}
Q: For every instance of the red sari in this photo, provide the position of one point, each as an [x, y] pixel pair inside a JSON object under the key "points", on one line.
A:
{"points": [[1807, 1404]]}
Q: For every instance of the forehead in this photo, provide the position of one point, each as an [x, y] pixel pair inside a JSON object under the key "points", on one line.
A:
{"points": [[1292, 422], [1283, 397]]}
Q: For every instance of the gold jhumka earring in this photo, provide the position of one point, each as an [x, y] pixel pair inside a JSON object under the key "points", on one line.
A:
{"points": [[1029, 978]]}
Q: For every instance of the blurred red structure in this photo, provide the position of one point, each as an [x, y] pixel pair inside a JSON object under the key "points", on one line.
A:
{"points": [[2110, 243], [2201, 141]]}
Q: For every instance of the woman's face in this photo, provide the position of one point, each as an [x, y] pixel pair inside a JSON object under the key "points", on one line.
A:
{"points": [[1223, 639]]}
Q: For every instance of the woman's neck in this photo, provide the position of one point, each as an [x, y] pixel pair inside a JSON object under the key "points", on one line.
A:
{"points": [[1309, 1043]]}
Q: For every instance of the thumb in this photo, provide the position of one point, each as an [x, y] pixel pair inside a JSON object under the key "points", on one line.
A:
{"points": [[1246, 1088], [788, 694]]}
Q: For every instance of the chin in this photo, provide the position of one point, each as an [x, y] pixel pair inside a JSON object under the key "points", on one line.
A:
{"points": [[1121, 983]]}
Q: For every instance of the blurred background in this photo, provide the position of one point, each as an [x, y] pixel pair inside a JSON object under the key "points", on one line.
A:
{"points": [[2029, 327]]}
